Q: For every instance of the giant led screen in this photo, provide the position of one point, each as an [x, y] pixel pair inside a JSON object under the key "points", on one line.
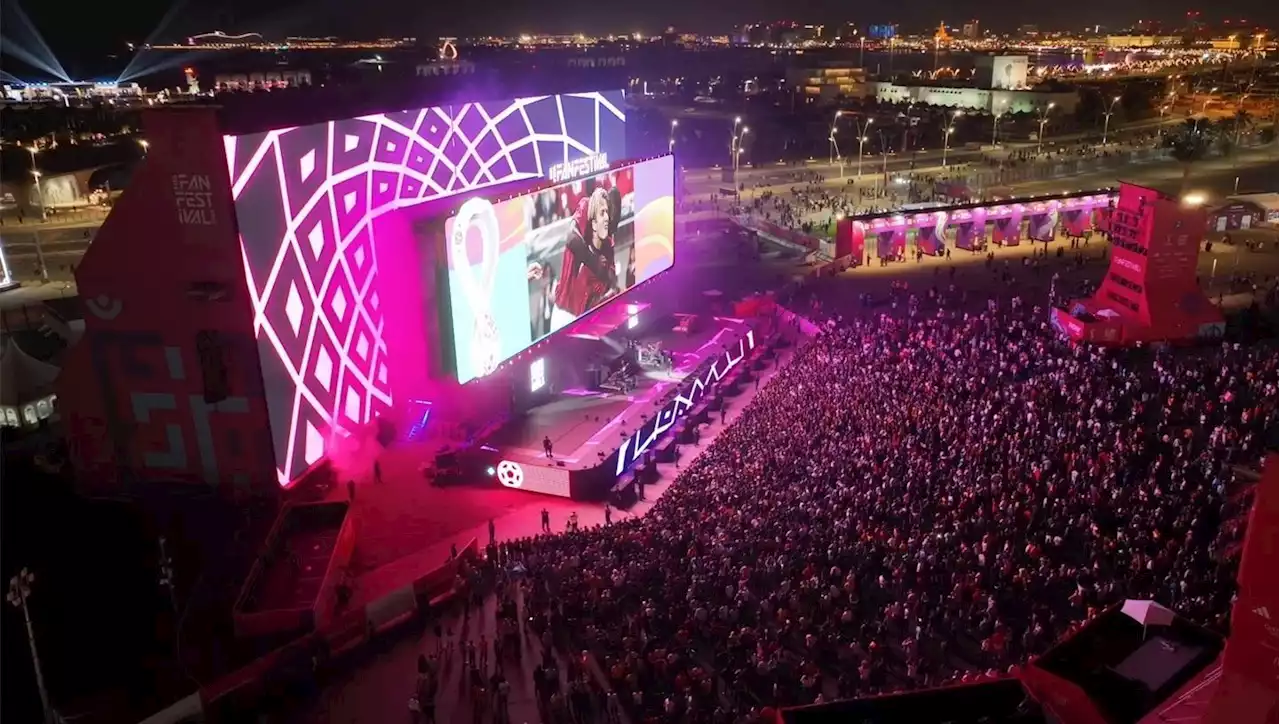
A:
{"points": [[522, 268], [305, 198]]}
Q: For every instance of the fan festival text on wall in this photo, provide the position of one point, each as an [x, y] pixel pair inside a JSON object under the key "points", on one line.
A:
{"points": [[193, 198]]}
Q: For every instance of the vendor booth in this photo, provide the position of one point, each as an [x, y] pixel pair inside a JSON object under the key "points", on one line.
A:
{"points": [[1078, 217], [1245, 212], [1006, 229], [971, 228], [1044, 220], [891, 237], [851, 236], [931, 230]]}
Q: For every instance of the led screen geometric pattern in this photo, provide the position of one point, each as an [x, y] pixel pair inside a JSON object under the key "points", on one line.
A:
{"points": [[305, 199]]}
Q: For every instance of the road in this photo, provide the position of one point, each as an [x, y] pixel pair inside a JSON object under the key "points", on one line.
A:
{"points": [[61, 239], [708, 180], [1216, 178]]}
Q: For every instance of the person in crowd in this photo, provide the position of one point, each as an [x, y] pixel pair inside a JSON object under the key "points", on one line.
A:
{"points": [[912, 500]]}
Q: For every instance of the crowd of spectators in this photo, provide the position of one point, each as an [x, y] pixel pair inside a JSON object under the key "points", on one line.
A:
{"points": [[811, 202], [908, 502]]}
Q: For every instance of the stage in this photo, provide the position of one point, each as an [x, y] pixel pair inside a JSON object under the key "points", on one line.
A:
{"points": [[589, 428], [582, 423]]}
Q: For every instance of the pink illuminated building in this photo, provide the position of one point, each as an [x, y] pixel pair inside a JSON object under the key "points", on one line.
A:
{"points": [[1150, 292]]}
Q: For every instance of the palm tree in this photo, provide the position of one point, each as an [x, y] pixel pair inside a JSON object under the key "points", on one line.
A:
{"points": [[1187, 144], [1241, 120]]}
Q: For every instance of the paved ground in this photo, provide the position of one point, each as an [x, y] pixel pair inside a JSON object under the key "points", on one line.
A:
{"points": [[711, 178], [379, 690]]}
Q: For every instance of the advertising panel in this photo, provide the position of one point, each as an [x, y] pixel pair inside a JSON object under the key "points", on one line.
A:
{"points": [[1009, 72], [1076, 222], [1044, 222], [634, 448], [891, 237], [525, 267], [931, 232], [1102, 218], [1007, 229], [971, 229], [305, 200], [851, 239], [533, 478]]}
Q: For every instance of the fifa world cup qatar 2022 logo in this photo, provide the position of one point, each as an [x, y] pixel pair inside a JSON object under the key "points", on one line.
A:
{"points": [[476, 280]]}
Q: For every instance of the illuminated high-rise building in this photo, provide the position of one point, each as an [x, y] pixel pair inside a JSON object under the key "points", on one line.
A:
{"points": [[971, 30]]}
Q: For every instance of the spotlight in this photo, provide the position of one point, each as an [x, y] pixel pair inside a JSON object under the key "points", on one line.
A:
{"points": [[491, 471]]}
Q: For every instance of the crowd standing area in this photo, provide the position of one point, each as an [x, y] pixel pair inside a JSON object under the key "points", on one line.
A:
{"points": [[927, 492], [811, 203]]}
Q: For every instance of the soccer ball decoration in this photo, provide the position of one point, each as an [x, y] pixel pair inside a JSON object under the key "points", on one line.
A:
{"points": [[510, 474]]}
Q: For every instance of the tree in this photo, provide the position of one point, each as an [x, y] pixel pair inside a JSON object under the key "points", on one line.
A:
{"points": [[1187, 144]]}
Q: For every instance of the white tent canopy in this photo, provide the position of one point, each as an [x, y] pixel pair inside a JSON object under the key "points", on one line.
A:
{"points": [[1148, 613], [23, 378]]}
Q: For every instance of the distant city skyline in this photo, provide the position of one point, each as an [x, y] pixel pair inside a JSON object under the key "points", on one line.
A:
{"points": [[104, 29]]}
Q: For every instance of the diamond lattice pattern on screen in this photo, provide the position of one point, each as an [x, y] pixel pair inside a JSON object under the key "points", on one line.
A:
{"points": [[305, 200]]}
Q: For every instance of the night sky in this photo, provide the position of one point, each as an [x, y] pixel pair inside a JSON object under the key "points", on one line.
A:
{"points": [[74, 28]]}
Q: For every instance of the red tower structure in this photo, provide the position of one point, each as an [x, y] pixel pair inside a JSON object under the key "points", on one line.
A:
{"points": [[1150, 292]]}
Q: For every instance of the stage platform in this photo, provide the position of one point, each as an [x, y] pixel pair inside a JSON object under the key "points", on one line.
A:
{"points": [[587, 426]]}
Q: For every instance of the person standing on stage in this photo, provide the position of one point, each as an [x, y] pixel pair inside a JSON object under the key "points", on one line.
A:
{"points": [[546, 521], [546, 445]]}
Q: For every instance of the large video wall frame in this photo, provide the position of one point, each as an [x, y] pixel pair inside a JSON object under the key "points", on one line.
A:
{"points": [[305, 199], [523, 267]]}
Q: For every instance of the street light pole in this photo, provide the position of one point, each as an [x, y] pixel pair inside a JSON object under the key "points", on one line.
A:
{"points": [[1204, 109], [1239, 110], [738, 150], [836, 147], [733, 142], [1044, 118], [671, 138], [835, 124], [946, 136], [35, 174], [995, 124], [884, 152], [1106, 126], [19, 592], [862, 140]]}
